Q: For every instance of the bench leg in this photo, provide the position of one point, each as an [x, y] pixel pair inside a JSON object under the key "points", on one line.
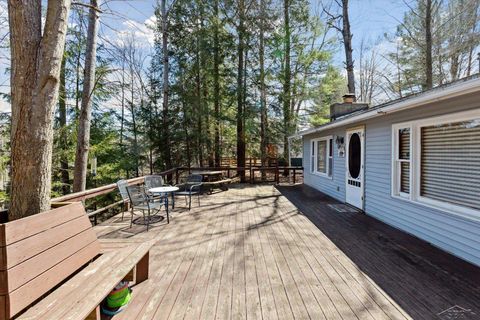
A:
{"points": [[4, 313], [141, 270], [94, 315]]}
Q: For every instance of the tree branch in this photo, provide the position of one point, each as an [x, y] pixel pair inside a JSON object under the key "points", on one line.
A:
{"points": [[81, 4]]}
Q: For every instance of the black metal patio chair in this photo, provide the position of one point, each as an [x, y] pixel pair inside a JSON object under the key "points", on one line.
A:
{"points": [[191, 186], [122, 189], [154, 181], [140, 201]]}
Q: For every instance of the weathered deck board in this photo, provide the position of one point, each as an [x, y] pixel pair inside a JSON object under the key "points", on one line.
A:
{"points": [[249, 253]]}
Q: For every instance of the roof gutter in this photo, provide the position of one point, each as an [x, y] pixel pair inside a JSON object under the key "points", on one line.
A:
{"points": [[455, 90]]}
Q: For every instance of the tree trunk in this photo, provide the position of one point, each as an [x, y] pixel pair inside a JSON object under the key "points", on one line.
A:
{"points": [[347, 42], [132, 110], [83, 135], [62, 110], [185, 119], [240, 100], [166, 133], [428, 46], [216, 85], [203, 73], [198, 92], [35, 70], [122, 89], [287, 119], [78, 61], [263, 90]]}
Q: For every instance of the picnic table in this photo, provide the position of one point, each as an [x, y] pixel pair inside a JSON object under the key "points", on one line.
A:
{"points": [[212, 179]]}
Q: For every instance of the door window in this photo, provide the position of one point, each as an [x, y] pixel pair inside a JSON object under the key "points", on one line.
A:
{"points": [[354, 155]]}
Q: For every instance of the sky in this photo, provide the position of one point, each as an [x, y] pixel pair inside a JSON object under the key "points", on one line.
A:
{"points": [[370, 20]]}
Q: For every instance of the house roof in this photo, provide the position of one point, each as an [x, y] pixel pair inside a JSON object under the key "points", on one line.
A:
{"points": [[450, 90]]}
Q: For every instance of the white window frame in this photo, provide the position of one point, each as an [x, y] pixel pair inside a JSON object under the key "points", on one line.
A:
{"points": [[415, 163], [396, 170], [314, 156]]}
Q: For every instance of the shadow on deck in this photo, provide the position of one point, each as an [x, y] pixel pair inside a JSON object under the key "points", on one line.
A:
{"points": [[424, 280], [283, 253]]}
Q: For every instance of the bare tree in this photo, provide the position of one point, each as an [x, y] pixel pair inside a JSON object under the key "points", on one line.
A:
{"points": [[344, 29], [367, 72], [83, 135], [36, 62], [263, 89], [287, 78], [166, 132], [428, 45]]}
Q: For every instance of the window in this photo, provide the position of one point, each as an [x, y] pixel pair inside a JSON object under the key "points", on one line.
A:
{"points": [[322, 156], [402, 160], [436, 162], [312, 159], [330, 157]]}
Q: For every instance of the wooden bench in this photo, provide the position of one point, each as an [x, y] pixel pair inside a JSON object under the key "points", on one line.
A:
{"points": [[59, 250]]}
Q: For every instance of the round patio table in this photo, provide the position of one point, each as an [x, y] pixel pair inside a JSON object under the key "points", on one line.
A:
{"points": [[165, 190]]}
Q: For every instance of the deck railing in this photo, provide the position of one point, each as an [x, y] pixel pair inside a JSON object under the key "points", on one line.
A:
{"points": [[173, 176]]}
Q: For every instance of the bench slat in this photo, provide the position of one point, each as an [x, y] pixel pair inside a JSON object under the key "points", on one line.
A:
{"points": [[102, 289], [78, 297], [208, 183], [67, 290], [28, 270], [24, 295], [17, 230], [29, 247]]}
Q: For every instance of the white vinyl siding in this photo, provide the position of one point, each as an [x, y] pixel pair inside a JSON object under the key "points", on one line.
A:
{"points": [[333, 185]]}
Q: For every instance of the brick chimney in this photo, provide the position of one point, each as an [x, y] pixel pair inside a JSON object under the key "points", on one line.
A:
{"points": [[349, 105]]}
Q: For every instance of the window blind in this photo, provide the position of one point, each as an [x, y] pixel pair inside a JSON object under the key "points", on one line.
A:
{"points": [[322, 156], [404, 156], [450, 163]]}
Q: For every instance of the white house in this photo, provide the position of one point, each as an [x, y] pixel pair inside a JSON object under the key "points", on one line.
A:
{"points": [[413, 163]]}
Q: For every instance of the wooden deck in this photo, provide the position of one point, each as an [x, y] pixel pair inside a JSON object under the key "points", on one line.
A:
{"points": [[250, 253]]}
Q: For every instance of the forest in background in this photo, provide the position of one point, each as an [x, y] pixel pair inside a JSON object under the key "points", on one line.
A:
{"points": [[228, 78]]}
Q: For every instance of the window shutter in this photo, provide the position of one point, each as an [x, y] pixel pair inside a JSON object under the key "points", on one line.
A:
{"points": [[450, 163]]}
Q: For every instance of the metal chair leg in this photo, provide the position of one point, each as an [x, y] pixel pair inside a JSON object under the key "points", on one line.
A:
{"points": [[148, 218], [198, 197], [131, 219], [190, 202]]}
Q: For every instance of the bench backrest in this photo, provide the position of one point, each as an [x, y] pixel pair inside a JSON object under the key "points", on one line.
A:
{"points": [[39, 252]]}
